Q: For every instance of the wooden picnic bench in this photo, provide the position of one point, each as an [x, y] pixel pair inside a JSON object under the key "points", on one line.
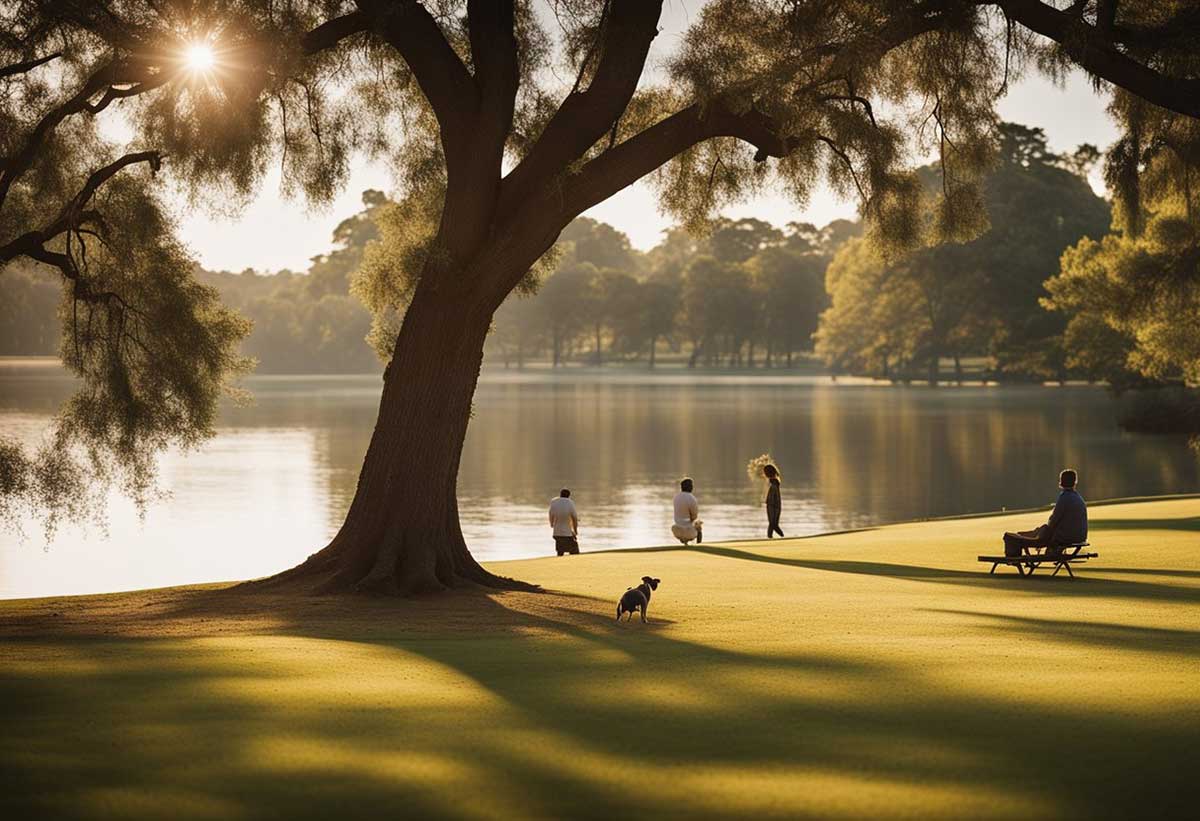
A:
{"points": [[1033, 557]]}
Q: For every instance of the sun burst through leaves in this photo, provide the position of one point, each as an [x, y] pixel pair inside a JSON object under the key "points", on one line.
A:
{"points": [[199, 57]]}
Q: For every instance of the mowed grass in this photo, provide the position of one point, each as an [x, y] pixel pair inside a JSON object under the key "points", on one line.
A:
{"points": [[880, 673]]}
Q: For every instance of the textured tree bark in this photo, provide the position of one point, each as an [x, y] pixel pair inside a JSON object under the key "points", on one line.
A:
{"points": [[402, 534]]}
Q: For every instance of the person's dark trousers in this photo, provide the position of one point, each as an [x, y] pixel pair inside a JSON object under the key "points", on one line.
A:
{"points": [[566, 544], [1015, 543], [773, 521]]}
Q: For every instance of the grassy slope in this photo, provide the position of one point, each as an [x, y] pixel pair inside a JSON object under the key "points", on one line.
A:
{"points": [[873, 673]]}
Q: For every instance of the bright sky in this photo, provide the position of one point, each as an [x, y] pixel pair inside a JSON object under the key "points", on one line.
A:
{"points": [[273, 233]]}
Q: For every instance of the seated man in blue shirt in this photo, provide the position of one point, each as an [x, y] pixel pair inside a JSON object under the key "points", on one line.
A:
{"points": [[1067, 523]]}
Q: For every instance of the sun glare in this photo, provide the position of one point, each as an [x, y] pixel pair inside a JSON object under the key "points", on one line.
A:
{"points": [[200, 57]]}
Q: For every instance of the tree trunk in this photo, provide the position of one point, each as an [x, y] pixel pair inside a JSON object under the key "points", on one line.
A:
{"points": [[402, 534]]}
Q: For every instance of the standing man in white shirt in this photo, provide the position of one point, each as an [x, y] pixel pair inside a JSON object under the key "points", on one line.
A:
{"points": [[687, 514], [565, 521]]}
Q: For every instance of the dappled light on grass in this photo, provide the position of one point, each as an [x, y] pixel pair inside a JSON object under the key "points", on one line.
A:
{"points": [[776, 680]]}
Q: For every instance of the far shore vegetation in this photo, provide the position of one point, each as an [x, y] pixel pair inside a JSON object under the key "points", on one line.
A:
{"points": [[748, 296]]}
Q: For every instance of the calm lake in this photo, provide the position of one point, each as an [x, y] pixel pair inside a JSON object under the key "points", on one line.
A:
{"points": [[272, 486]]}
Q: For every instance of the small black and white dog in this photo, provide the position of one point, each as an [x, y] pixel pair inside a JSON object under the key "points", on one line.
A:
{"points": [[637, 598]]}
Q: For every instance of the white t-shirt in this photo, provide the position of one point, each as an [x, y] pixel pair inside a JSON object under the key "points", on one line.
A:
{"points": [[686, 508], [561, 511]]}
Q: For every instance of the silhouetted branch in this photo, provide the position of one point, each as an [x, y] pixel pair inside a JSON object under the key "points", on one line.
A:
{"points": [[410, 29], [853, 98], [497, 70], [841, 154], [331, 32], [1098, 53], [73, 214], [27, 65], [586, 116]]}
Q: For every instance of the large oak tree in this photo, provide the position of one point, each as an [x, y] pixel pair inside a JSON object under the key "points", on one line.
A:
{"points": [[497, 149]]}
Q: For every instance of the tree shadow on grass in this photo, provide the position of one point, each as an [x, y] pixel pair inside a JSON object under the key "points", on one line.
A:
{"points": [[1092, 634], [1045, 584], [1150, 571], [578, 717], [1190, 524]]}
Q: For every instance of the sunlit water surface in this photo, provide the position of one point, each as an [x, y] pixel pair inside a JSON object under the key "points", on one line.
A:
{"points": [[275, 482]]}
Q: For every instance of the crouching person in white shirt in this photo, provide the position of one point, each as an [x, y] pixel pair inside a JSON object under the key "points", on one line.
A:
{"points": [[565, 521], [687, 515]]}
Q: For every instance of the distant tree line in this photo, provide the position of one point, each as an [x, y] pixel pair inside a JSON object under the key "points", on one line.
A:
{"points": [[309, 322], [977, 299], [746, 294], [1053, 289], [302, 322]]}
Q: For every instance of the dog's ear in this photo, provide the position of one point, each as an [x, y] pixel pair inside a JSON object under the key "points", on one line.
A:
{"points": [[653, 583], [647, 579]]}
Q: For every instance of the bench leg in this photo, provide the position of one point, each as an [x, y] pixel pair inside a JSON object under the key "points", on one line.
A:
{"points": [[1020, 569], [1057, 568], [993, 570], [1070, 572]]}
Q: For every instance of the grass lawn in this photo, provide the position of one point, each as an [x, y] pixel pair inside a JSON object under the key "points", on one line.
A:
{"points": [[867, 674]]}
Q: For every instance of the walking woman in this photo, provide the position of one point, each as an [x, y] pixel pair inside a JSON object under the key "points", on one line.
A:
{"points": [[774, 501]]}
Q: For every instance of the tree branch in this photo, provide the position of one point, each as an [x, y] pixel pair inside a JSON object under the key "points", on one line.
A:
{"points": [[1097, 54], [26, 66], [124, 90], [409, 28], [494, 57], [586, 116], [331, 32], [18, 163], [629, 161], [73, 213], [852, 98]]}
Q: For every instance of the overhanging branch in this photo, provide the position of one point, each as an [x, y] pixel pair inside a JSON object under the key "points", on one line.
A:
{"points": [[125, 77], [586, 116], [409, 28], [331, 32], [26, 66], [1096, 52], [74, 213]]}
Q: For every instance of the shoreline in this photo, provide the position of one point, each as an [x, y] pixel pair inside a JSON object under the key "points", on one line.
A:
{"points": [[669, 373], [666, 546]]}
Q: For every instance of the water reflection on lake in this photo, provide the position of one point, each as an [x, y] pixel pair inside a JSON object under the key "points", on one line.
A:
{"points": [[274, 483]]}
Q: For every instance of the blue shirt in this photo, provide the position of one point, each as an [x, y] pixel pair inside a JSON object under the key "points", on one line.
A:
{"points": [[1068, 520]]}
